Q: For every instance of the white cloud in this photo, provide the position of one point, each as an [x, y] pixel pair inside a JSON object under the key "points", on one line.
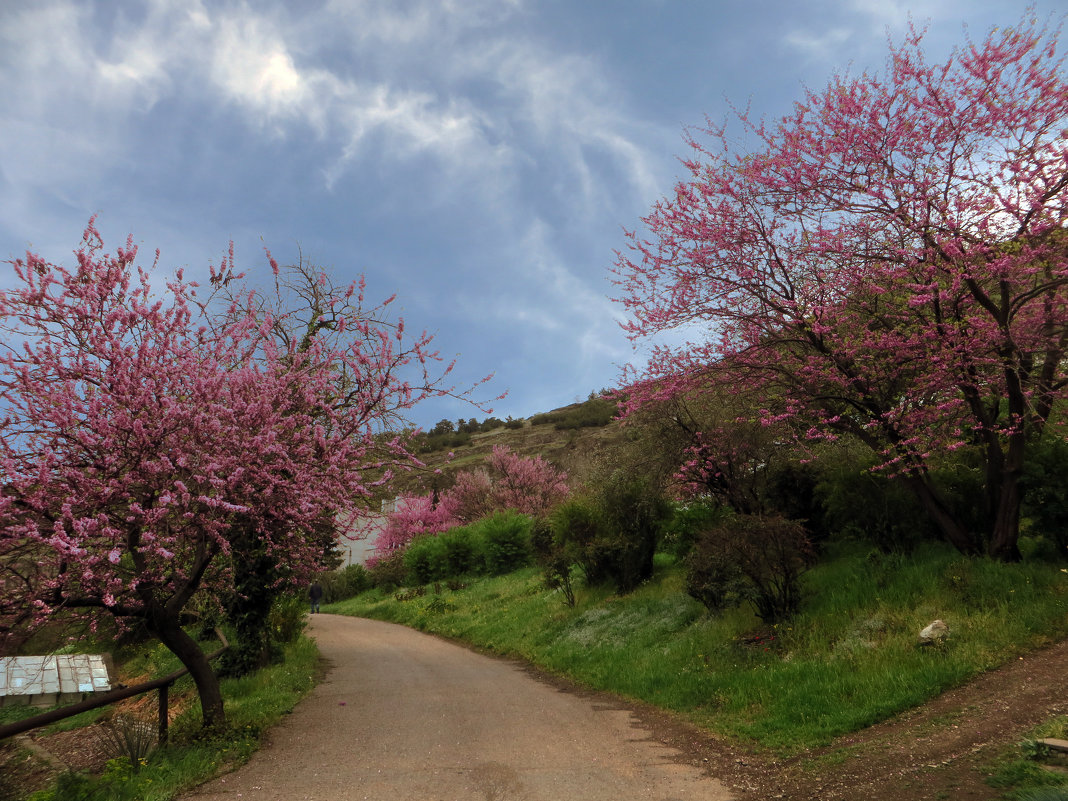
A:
{"points": [[253, 67], [825, 45]]}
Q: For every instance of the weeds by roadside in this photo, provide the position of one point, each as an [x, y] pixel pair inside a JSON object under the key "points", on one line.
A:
{"points": [[850, 658]]}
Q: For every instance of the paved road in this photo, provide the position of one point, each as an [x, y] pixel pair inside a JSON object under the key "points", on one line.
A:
{"points": [[403, 716]]}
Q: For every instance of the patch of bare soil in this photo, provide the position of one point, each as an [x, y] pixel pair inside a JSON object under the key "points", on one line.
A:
{"points": [[941, 750], [29, 763]]}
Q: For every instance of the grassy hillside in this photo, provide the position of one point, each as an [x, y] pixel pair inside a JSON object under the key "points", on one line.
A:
{"points": [[575, 438]]}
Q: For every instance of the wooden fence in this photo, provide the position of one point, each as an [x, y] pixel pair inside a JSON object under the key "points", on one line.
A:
{"points": [[112, 696]]}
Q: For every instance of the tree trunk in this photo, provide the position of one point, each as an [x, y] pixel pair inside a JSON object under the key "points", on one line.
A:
{"points": [[1005, 517], [959, 537], [196, 662]]}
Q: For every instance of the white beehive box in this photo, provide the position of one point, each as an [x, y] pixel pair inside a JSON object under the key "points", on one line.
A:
{"points": [[50, 680]]}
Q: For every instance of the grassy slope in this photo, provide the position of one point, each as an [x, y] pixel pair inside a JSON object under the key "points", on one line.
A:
{"points": [[576, 451], [850, 659]]}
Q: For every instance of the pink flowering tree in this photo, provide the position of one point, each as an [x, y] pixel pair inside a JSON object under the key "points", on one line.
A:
{"points": [[889, 261], [411, 517], [149, 437], [526, 484], [304, 309], [529, 485]]}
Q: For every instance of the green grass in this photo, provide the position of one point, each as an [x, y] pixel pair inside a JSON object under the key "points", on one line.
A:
{"points": [[848, 660], [253, 704], [1025, 771]]}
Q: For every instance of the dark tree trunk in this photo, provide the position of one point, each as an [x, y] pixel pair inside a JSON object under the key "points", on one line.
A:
{"points": [[956, 534], [1005, 516], [196, 662], [1004, 467]]}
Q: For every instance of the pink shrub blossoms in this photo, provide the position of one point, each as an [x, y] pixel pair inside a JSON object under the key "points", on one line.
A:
{"points": [[529, 485]]}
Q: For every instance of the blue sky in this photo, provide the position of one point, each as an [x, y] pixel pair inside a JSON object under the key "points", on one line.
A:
{"points": [[480, 158]]}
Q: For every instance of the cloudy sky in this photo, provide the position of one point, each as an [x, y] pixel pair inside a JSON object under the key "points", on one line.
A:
{"points": [[480, 158]]}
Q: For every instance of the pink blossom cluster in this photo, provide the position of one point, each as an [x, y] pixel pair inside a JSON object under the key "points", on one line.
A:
{"points": [[509, 481], [147, 430]]}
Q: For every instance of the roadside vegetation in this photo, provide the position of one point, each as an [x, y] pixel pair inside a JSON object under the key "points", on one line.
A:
{"points": [[135, 769], [846, 497], [850, 658]]}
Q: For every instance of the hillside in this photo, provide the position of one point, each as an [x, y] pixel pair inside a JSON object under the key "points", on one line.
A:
{"points": [[575, 438]]}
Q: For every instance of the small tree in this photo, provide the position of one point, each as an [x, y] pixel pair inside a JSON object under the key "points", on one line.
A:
{"points": [[613, 533], [528, 485], [415, 516], [748, 557]]}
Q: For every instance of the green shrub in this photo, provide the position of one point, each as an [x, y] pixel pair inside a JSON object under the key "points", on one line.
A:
{"points": [[634, 513], [425, 559], [757, 558], [713, 575], [345, 583], [613, 534], [389, 572], [506, 542], [687, 522], [463, 552], [860, 504], [578, 529], [555, 562], [287, 621], [1045, 487]]}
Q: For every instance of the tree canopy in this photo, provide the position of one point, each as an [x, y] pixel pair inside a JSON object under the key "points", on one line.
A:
{"points": [[887, 261], [151, 437]]}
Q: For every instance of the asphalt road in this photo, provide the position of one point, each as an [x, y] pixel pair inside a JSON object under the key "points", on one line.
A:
{"points": [[403, 716]]}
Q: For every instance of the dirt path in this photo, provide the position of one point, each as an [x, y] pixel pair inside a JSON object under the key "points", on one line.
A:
{"points": [[403, 715]]}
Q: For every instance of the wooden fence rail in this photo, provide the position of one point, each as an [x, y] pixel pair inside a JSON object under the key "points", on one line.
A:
{"points": [[112, 696]]}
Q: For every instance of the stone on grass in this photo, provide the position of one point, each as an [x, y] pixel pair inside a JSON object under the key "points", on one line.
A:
{"points": [[934, 632]]}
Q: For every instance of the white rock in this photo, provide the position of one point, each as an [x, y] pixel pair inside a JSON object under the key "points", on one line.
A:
{"points": [[934, 631]]}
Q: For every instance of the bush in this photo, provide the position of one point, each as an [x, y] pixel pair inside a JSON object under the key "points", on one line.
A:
{"points": [[613, 535], [463, 552], [287, 622], [713, 575], [389, 572], [1045, 487], [345, 583], [860, 504], [424, 559], [687, 522], [506, 542], [578, 529], [757, 558], [634, 513], [554, 560]]}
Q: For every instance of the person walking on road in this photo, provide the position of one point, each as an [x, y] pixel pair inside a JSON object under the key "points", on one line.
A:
{"points": [[315, 594]]}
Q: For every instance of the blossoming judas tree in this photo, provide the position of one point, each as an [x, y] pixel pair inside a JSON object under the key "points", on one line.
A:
{"points": [[526, 484], [306, 308], [144, 438], [888, 261]]}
